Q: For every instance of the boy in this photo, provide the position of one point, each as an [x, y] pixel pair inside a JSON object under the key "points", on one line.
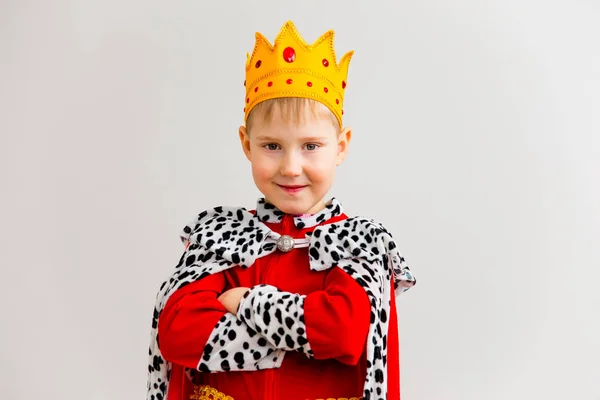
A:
{"points": [[293, 300]]}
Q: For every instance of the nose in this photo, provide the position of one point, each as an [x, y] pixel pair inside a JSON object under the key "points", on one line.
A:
{"points": [[291, 165]]}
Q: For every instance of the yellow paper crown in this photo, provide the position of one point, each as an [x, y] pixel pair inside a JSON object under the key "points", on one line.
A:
{"points": [[293, 68]]}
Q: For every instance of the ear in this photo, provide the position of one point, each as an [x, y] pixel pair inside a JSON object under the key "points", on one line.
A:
{"points": [[245, 141], [343, 143]]}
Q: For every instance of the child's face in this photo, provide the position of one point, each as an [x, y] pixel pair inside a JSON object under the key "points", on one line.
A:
{"points": [[293, 164]]}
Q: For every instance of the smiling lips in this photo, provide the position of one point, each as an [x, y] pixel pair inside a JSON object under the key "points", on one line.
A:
{"points": [[292, 188]]}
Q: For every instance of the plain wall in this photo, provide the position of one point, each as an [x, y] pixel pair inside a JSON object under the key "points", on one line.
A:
{"points": [[476, 142]]}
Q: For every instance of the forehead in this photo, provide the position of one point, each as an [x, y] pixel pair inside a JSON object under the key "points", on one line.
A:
{"points": [[281, 125]]}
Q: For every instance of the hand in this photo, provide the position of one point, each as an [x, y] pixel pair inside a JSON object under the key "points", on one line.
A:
{"points": [[231, 299]]}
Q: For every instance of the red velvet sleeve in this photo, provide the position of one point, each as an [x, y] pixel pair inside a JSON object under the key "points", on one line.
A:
{"points": [[188, 319], [337, 319]]}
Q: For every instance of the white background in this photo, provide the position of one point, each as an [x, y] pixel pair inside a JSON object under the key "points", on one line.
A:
{"points": [[476, 141]]}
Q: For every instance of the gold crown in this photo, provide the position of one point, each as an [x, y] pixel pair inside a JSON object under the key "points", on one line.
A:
{"points": [[293, 68]]}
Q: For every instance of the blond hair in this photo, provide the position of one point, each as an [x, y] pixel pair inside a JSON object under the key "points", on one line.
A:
{"points": [[292, 109]]}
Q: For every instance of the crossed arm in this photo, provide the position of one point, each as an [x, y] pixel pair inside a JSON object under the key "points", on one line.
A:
{"points": [[329, 323]]}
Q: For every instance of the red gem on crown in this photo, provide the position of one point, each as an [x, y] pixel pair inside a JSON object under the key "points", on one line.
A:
{"points": [[289, 54]]}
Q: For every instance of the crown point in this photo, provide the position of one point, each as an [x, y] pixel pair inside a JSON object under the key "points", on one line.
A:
{"points": [[325, 62], [343, 84], [257, 65], [289, 81], [289, 54], [270, 84]]}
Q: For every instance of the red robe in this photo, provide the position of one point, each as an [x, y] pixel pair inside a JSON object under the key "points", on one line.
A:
{"points": [[336, 312]]}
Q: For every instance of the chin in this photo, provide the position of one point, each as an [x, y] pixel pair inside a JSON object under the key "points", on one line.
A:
{"points": [[291, 206]]}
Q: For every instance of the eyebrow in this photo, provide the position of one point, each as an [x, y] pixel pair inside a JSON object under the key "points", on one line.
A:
{"points": [[305, 139]]}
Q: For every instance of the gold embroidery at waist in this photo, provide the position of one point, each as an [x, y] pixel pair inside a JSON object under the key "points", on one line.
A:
{"points": [[342, 398], [205, 392]]}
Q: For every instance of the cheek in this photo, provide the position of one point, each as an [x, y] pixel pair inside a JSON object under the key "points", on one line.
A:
{"points": [[262, 168], [322, 168]]}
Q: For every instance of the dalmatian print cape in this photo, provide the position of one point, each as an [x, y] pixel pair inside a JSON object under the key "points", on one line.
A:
{"points": [[255, 339]]}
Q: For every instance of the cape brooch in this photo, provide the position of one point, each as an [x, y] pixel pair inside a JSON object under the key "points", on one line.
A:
{"points": [[286, 243]]}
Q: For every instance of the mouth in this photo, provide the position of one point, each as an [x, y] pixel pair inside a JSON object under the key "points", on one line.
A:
{"points": [[292, 188]]}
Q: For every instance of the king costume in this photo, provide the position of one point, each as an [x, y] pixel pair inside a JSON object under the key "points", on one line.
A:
{"points": [[319, 321]]}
